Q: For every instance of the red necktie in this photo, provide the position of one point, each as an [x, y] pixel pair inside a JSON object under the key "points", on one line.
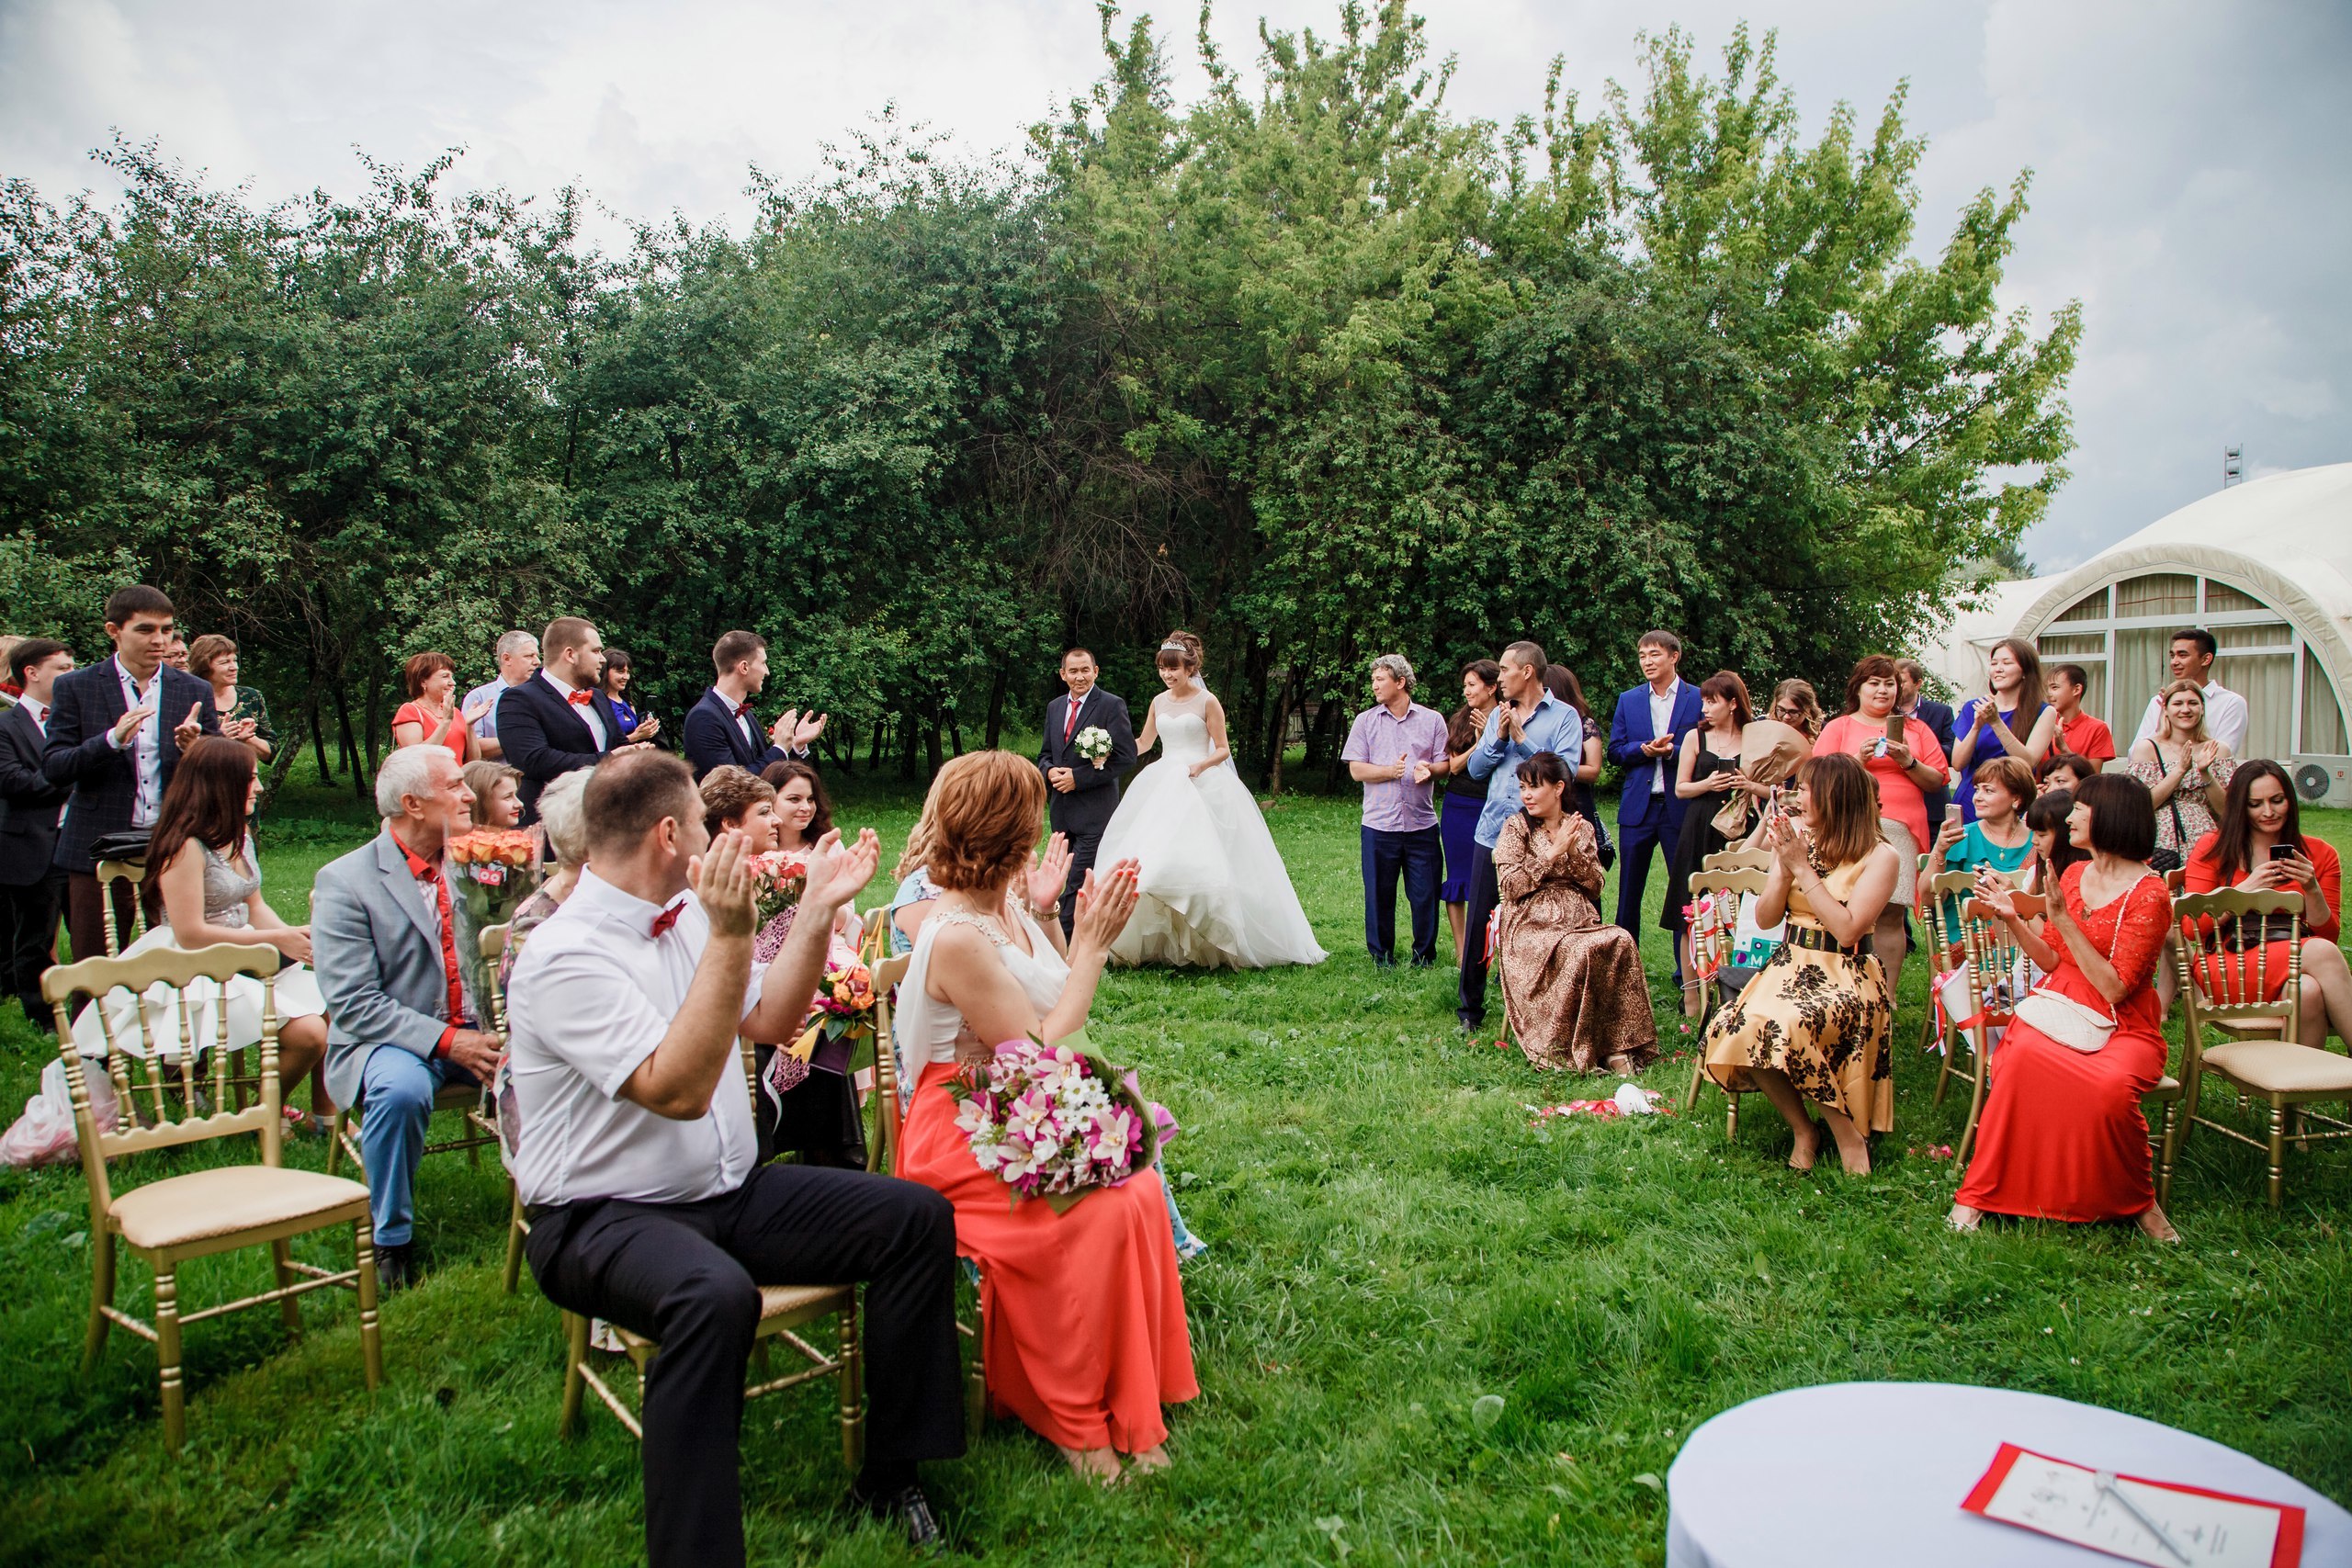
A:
{"points": [[578, 699], [428, 870], [667, 917], [1069, 718]]}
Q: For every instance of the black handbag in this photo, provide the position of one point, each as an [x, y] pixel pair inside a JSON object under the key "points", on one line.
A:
{"points": [[131, 844]]}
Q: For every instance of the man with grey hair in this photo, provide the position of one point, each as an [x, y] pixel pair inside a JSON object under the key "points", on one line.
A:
{"points": [[384, 940], [1393, 749], [519, 660]]}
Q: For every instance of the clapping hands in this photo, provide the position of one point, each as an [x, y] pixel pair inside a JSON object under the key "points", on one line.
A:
{"points": [[1104, 902], [721, 879], [839, 871], [1048, 875]]}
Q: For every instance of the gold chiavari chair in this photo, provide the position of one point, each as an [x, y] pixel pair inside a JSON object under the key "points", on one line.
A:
{"points": [[1745, 881], [1995, 971], [2227, 946], [112, 876], [784, 1309], [483, 1115], [1737, 860], [1946, 952], [172, 1219]]}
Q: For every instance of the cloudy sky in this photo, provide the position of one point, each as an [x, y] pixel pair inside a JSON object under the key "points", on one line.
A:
{"points": [[2190, 171]]}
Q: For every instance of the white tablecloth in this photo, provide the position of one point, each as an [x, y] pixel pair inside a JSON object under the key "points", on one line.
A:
{"points": [[1873, 1473]]}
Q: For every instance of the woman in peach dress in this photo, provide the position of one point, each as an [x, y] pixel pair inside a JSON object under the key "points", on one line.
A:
{"points": [[1085, 1336]]}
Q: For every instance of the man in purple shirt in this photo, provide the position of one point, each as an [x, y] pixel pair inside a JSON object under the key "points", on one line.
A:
{"points": [[1391, 751]]}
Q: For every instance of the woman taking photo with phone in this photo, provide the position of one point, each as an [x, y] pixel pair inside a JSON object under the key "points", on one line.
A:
{"points": [[1812, 1025], [2016, 721], [1906, 760], [2260, 848]]}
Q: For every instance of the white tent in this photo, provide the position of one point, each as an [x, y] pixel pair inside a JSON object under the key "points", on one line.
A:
{"points": [[2265, 566]]}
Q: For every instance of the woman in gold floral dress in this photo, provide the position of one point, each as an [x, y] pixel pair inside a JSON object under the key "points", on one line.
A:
{"points": [[1572, 987], [1814, 1024]]}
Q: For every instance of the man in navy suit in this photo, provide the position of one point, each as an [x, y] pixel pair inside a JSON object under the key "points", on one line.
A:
{"points": [[1643, 735], [561, 719], [1081, 794], [32, 890], [722, 728], [116, 732], [1910, 676]]}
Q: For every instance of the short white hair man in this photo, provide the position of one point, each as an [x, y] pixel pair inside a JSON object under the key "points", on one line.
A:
{"points": [[384, 940]]}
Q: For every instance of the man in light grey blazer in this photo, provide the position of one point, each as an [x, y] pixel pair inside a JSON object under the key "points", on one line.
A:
{"points": [[383, 940]]}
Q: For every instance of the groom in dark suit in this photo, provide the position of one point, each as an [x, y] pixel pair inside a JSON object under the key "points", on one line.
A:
{"points": [[561, 719], [1083, 793]]}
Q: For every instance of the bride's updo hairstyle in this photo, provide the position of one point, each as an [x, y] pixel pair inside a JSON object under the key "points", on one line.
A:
{"points": [[984, 812], [1180, 650]]}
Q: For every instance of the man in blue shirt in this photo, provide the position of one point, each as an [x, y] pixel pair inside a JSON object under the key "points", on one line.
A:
{"points": [[1529, 720]]}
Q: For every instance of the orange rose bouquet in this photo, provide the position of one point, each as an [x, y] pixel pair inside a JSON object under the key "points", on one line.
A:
{"points": [[491, 871]]}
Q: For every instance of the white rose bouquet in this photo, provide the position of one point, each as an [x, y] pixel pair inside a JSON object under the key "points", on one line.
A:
{"points": [[1093, 744]]}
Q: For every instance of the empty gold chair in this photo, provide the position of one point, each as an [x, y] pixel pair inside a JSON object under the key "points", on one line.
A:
{"points": [[172, 1219], [113, 875], [2231, 946]]}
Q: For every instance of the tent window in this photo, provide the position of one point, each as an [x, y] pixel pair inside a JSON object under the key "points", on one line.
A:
{"points": [[2079, 646], [2221, 597], [2138, 669], [2159, 593], [2322, 715], [2272, 634], [2091, 609], [2266, 682]]}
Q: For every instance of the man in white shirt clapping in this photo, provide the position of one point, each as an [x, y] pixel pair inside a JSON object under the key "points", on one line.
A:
{"points": [[636, 1158]]}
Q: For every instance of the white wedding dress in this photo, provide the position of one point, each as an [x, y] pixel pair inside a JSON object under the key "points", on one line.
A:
{"points": [[1216, 894]]}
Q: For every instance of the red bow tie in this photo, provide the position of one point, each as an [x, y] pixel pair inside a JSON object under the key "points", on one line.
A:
{"points": [[744, 711], [578, 699], [667, 917]]}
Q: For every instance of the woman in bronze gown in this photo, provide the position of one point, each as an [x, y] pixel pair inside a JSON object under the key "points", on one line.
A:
{"points": [[1572, 986]]}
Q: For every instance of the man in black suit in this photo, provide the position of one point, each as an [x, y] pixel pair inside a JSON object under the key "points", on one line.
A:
{"points": [[561, 719], [722, 728], [32, 890], [1910, 675], [1083, 793], [116, 732]]}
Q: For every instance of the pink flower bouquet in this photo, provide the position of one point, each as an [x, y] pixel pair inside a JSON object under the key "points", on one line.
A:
{"points": [[778, 878], [1055, 1122]]}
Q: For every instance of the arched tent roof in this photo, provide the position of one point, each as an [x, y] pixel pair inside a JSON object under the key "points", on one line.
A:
{"points": [[2285, 539]]}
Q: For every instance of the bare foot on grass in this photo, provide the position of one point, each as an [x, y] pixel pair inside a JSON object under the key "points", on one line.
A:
{"points": [[1807, 1150], [1098, 1465], [1152, 1459], [1854, 1150]]}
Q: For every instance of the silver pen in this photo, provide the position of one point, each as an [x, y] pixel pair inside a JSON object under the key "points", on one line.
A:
{"points": [[2105, 1480]]}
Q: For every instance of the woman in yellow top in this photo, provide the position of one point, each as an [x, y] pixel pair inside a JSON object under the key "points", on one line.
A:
{"points": [[1814, 1023]]}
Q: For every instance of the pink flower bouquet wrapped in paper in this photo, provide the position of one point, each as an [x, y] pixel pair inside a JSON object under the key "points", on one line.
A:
{"points": [[1055, 1122]]}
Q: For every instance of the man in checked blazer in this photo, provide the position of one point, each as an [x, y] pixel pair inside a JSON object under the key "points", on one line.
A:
{"points": [[116, 732], [1081, 796], [561, 719]]}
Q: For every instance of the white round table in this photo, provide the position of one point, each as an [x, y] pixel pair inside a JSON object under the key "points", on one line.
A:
{"points": [[1871, 1474]]}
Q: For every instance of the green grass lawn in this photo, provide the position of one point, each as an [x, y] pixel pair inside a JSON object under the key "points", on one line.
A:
{"points": [[1390, 1240]]}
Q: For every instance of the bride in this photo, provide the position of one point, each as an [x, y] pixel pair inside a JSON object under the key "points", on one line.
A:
{"points": [[1215, 892]]}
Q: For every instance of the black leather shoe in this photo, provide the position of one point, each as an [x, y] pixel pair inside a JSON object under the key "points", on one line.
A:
{"points": [[395, 1267], [910, 1511]]}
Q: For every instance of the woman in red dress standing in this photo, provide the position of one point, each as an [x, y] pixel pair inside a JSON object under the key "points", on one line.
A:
{"points": [[2062, 1136]]}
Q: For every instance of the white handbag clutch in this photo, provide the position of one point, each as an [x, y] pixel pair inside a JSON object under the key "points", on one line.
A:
{"points": [[2066, 1020]]}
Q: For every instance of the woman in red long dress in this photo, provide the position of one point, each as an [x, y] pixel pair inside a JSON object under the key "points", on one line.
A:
{"points": [[2062, 1136], [2259, 818], [1085, 1337]]}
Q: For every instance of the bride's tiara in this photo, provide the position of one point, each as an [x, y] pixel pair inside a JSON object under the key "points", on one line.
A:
{"points": [[1174, 648]]}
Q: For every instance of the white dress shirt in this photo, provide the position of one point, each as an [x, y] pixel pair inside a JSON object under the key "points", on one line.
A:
{"points": [[1661, 723], [592, 995], [39, 710], [146, 745], [587, 711], [2226, 717]]}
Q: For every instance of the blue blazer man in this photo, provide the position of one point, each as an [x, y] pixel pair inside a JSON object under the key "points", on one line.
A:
{"points": [[1911, 675], [1646, 815]]}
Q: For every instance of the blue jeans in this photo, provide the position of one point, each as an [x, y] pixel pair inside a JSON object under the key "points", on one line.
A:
{"points": [[1420, 856], [396, 1090]]}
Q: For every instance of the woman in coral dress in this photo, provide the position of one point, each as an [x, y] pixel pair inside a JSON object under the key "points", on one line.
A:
{"points": [[2062, 1136], [1085, 1337], [2259, 818]]}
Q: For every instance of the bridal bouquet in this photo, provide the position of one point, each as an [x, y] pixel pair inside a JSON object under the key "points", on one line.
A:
{"points": [[1055, 1122], [777, 879], [1093, 744], [492, 870]]}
